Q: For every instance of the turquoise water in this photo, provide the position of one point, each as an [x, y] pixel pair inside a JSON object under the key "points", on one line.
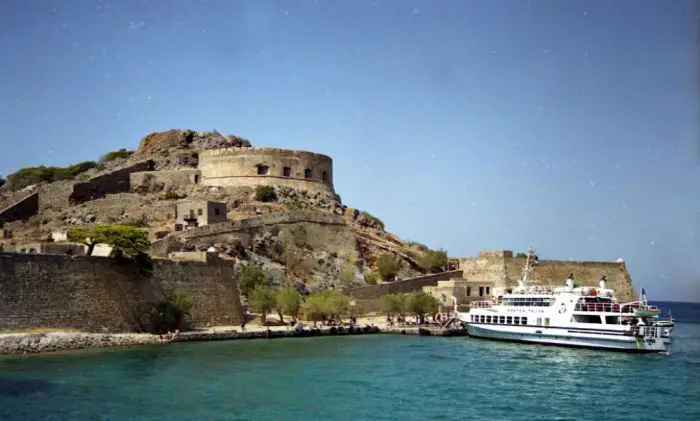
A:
{"points": [[372, 377]]}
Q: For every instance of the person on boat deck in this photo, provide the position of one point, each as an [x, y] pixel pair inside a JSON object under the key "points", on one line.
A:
{"points": [[640, 322]]}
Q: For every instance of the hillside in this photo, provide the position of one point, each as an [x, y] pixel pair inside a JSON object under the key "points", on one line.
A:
{"points": [[324, 242]]}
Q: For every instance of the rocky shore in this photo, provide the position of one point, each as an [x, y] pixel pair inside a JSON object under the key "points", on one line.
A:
{"points": [[32, 343]]}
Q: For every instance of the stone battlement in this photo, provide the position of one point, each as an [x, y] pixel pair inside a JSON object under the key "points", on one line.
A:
{"points": [[300, 170]]}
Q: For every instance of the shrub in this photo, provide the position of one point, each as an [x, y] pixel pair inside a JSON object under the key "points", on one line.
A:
{"points": [[371, 278], [265, 194], [111, 156], [172, 194], [33, 175], [388, 266], [169, 313], [433, 260], [521, 256], [251, 276]]}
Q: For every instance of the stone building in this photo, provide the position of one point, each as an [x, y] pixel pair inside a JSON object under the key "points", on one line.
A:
{"points": [[300, 170], [464, 290], [197, 213]]}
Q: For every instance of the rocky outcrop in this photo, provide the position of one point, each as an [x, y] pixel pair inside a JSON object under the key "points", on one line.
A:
{"points": [[160, 143]]}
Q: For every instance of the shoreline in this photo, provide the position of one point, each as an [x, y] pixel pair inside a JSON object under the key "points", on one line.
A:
{"points": [[51, 342]]}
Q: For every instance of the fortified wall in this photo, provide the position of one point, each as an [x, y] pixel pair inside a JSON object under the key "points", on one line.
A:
{"points": [[504, 270], [267, 166], [97, 294], [226, 231]]}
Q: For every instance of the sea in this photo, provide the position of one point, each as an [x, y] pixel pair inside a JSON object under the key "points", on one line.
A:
{"points": [[369, 377]]}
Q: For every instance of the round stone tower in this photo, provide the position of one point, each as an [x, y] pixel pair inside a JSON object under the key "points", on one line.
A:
{"points": [[267, 166]]}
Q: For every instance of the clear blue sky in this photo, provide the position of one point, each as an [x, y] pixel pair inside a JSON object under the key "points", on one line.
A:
{"points": [[571, 126]]}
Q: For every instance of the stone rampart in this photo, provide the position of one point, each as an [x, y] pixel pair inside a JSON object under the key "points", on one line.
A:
{"points": [[97, 294], [162, 180], [300, 170], [114, 182], [400, 287], [504, 270], [22, 209], [172, 242]]}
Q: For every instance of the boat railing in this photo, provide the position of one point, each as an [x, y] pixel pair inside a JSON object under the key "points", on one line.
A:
{"points": [[627, 308], [482, 304]]}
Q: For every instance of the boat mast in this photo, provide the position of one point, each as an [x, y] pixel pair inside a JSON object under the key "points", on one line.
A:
{"points": [[526, 269]]}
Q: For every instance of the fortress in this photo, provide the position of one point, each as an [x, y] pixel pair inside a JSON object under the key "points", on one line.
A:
{"points": [[195, 195], [267, 166]]}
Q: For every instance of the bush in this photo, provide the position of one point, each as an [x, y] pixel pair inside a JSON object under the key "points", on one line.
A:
{"points": [[111, 156], [169, 313], [34, 175], [265, 194], [172, 194], [388, 266], [433, 260], [521, 256], [371, 278], [251, 276]]}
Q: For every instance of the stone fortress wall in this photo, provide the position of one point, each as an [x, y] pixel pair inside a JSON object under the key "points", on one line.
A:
{"points": [[504, 270], [96, 294], [267, 166]]}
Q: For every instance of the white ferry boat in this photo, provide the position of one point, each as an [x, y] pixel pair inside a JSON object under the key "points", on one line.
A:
{"points": [[575, 316]]}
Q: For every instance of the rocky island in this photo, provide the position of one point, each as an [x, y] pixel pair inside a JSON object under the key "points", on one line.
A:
{"points": [[216, 223]]}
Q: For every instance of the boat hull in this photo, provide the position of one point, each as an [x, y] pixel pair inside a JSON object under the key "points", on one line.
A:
{"points": [[562, 337]]}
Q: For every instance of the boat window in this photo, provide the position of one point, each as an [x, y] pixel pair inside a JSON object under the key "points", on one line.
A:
{"points": [[516, 320], [524, 320], [509, 320], [539, 321], [488, 319], [502, 319], [612, 320], [587, 318]]}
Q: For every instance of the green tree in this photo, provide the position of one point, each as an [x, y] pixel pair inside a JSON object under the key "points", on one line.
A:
{"points": [[392, 304], [288, 301], [433, 261], [250, 277], [314, 307], [320, 305], [262, 300], [170, 312], [521, 256], [388, 265], [127, 240], [421, 303], [2, 181]]}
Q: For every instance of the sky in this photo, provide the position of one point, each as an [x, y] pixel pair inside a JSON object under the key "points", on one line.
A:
{"points": [[568, 126]]}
